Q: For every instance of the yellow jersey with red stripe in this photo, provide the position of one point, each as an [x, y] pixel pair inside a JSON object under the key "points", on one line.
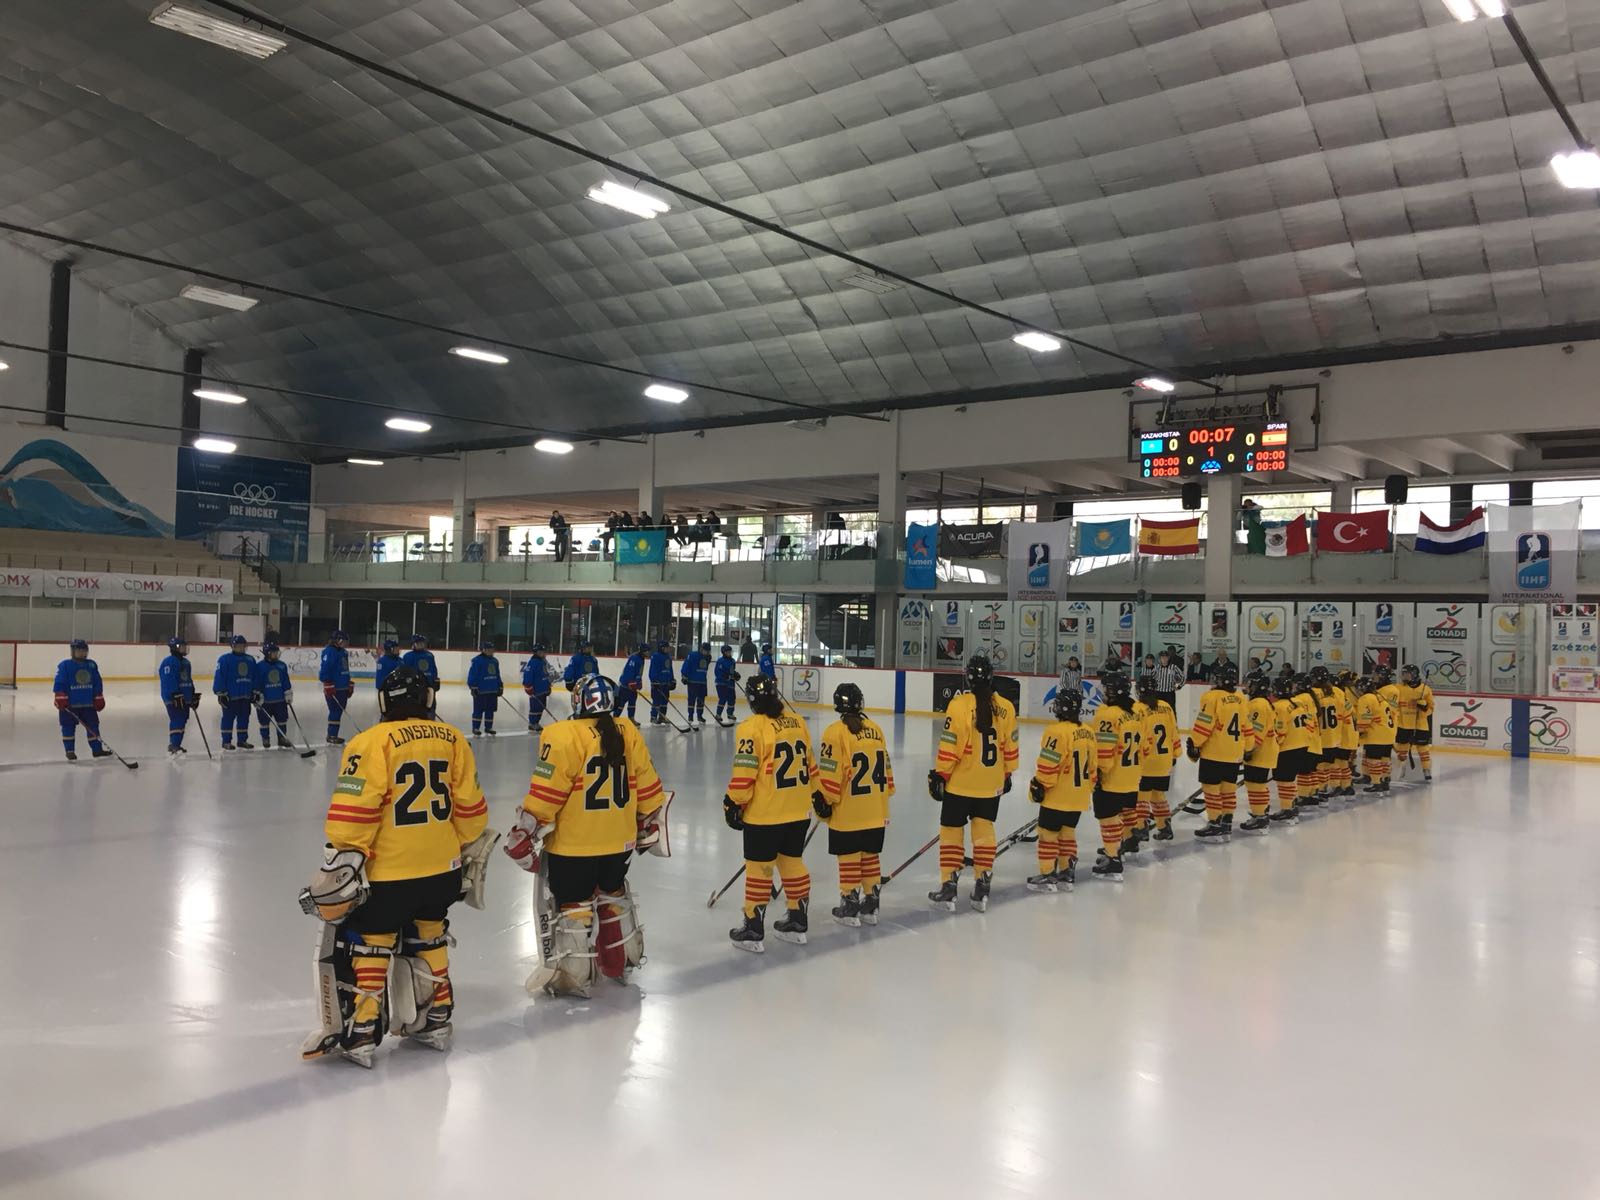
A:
{"points": [[1266, 723], [855, 776], [974, 762], [1117, 734], [772, 769], [1328, 707], [408, 798], [1309, 717], [1291, 721], [1349, 737], [1375, 719], [1222, 730], [1416, 706], [593, 804], [1069, 755], [1158, 740]]}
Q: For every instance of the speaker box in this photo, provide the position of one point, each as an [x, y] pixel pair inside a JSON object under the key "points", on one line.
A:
{"points": [[1395, 488], [1191, 497]]}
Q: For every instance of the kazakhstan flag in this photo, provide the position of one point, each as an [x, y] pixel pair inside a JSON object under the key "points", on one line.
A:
{"points": [[1097, 538], [639, 546]]}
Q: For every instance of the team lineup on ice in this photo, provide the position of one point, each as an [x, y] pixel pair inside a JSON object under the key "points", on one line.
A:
{"points": [[408, 834]]}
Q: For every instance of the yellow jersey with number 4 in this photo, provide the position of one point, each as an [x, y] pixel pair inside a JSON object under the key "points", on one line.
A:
{"points": [[1068, 756], [772, 769], [855, 776], [1222, 729], [408, 798], [593, 805], [975, 763]]}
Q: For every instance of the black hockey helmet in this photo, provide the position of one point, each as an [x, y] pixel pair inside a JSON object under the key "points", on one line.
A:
{"points": [[1118, 689], [1225, 676], [1411, 675], [390, 646], [1067, 704], [980, 672], [1260, 685], [539, 648], [175, 645], [1300, 684], [268, 649], [1147, 687], [762, 693], [1321, 676], [404, 694], [1383, 675], [847, 698]]}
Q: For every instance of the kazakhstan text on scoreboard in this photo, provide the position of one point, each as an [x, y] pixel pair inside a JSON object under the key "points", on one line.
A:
{"points": [[1236, 447]]}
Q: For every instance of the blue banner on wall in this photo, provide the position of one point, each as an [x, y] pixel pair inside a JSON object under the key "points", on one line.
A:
{"points": [[270, 497], [922, 550], [640, 546]]}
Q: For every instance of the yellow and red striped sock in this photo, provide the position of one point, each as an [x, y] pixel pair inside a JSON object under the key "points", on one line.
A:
{"points": [[438, 960], [1426, 754], [982, 846], [871, 872], [952, 851], [1228, 798], [372, 974], [796, 880], [757, 886], [1047, 852], [1288, 793], [1260, 797], [1066, 847], [1111, 834], [849, 873], [1160, 810], [1145, 809]]}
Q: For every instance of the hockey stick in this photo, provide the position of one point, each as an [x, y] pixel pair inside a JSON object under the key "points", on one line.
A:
{"points": [[926, 846], [344, 710], [204, 740], [527, 721], [673, 705], [670, 707], [309, 751], [105, 745], [777, 888]]}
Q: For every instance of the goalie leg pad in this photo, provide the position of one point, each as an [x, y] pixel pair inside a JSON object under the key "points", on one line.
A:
{"points": [[566, 960], [334, 977], [419, 989], [475, 867], [619, 945]]}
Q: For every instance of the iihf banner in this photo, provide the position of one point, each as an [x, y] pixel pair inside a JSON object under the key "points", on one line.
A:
{"points": [[1036, 559], [922, 558], [1533, 552], [1380, 625]]}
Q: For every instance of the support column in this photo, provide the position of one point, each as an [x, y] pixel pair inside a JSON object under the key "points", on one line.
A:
{"points": [[1460, 501], [1521, 493], [1222, 517], [1344, 496], [55, 376], [464, 525], [649, 493], [317, 533], [891, 542]]}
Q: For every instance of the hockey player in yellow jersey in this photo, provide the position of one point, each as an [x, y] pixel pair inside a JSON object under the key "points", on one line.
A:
{"points": [[1293, 738], [1158, 750], [1326, 698], [855, 781], [769, 800], [1262, 759], [593, 801], [1414, 721], [1349, 739], [1116, 796], [1308, 717], [1063, 787], [406, 839], [1375, 718], [1220, 739], [977, 756]]}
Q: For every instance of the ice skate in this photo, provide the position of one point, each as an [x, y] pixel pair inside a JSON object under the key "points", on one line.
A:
{"points": [[1109, 869], [980, 893], [869, 906], [1045, 883], [1255, 825], [794, 926], [848, 911], [945, 897], [752, 935]]}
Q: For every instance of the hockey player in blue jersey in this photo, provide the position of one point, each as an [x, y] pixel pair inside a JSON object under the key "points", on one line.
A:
{"points": [[177, 692], [274, 693], [387, 661], [767, 666], [727, 677], [628, 683], [80, 696], [695, 665], [536, 684], [662, 681], [234, 685], [420, 659], [334, 675], [582, 663], [485, 684]]}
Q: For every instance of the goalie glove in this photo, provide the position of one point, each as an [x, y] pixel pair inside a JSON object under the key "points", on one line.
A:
{"points": [[732, 813], [1192, 750], [936, 787], [475, 867], [1036, 790], [525, 841], [339, 887], [820, 805]]}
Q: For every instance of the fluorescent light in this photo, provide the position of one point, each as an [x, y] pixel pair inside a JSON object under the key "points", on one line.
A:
{"points": [[407, 425], [628, 200], [196, 24], [553, 446], [1471, 10], [1154, 383], [207, 295], [1042, 342], [1580, 169], [4, 365], [488, 356], [215, 445], [219, 397], [668, 395], [365, 462]]}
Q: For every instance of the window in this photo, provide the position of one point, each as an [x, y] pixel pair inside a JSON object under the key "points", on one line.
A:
{"points": [[1434, 500], [1547, 491]]}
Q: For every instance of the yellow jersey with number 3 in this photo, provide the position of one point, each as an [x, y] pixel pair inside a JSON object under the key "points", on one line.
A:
{"points": [[974, 763], [408, 798], [855, 776], [772, 769], [1117, 734], [1068, 760], [594, 806], [1222, 730], [1375, 719]]}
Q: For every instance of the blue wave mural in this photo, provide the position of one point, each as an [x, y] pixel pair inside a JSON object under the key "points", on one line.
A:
{"points": [[49, 485]]}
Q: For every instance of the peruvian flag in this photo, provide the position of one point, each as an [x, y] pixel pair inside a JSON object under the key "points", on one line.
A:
{"points": [[1288, 539], [1352, 533]]}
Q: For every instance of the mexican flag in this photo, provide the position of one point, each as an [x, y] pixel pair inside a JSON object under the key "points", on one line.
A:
{"points": [[1282, 540]]}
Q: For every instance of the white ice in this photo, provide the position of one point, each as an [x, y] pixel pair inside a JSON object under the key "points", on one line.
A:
{"points": [[1396, 998]]}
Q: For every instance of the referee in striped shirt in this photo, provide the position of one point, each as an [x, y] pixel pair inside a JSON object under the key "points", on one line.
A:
{"points": [[1168, 678]]}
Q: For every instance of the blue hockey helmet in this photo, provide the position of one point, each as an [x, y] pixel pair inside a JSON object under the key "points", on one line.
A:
{"points": [[593, 695], [79, 644], [268, 649], [586, 644], [338, 635], [419, 639], [239, 639], [727, 649], [486, 647], [390, 644], [705, 647], [176, 645], [766, 648], [540, 648]]}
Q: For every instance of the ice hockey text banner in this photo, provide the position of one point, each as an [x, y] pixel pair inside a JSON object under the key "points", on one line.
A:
{"points": [[237, 491], [1036, 559], [105, 585], [922, 553], [638, 547], [1533, 552]]}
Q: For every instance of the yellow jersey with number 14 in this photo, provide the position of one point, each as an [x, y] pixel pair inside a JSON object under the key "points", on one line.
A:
{"points": [[1068, 753]]}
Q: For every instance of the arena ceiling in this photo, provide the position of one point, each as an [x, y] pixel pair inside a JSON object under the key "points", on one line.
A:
{"points": [[1203, 185]]}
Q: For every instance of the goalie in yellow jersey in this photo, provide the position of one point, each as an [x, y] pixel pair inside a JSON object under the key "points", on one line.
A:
{"points": [[593, 802], [406, 840], [855, 781], [1221, 737], [977, 755]]}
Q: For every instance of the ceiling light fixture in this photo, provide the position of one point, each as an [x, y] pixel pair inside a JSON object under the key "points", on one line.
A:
{"points": [[241, 39], [553, 446], [1580, 169], [628, 200], [219, 397], [365, 462], [488, 356], [1154, 383], [1471, 10], [667, 395], [4, 365], [221, 299], [1043, 343], [407, 425], [215, 445]]}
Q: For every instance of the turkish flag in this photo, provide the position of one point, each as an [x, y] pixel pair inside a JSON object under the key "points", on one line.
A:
{"points": [[1352, 533]]}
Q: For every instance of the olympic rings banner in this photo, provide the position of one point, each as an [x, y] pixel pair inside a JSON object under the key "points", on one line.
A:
{"points": [[265, 496]]}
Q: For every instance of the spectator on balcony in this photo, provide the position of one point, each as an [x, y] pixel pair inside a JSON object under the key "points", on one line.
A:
{"points": [[563, 534], [680, 530], [646, 521], [613, 522]]}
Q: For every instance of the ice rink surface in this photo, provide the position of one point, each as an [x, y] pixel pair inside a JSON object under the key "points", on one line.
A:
{"points": [[1396, 998]]}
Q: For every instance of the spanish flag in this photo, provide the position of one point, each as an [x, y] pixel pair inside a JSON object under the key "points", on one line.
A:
{"points": [[1169, 537]]}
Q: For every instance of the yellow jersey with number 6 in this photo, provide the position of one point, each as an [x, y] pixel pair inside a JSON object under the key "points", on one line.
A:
{"points": [[772, 769], [975, 763], [593, 804]]}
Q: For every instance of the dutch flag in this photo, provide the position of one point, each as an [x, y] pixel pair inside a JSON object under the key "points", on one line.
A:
{"points": [[1466, 534]]}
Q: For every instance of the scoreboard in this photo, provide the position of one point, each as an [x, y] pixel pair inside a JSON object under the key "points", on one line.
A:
{"points": [[1244, 446]]}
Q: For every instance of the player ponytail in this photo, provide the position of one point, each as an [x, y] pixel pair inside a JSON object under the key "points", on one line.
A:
{"points": [[980, 682], [853, 721], [612, 748]]}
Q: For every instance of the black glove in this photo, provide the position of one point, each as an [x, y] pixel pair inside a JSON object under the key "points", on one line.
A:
{"points": [[1036, 791], [194, 699], [732, 813], [820, 805], [256, 698], [1192, 750], [936, 787], [736, 677], [1007, 787]]}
